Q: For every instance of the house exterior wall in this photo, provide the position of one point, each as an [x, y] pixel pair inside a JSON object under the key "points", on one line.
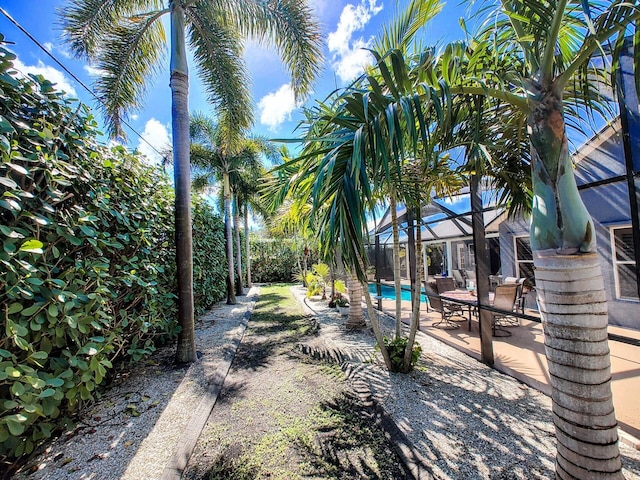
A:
{"points": [[609, 207]]}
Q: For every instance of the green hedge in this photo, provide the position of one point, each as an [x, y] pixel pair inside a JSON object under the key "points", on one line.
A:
{"points": [[87, 259], [209, 257], [276, 260]]}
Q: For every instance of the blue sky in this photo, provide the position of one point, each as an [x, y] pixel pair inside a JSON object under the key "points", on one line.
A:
{"points": [[347, 27]]}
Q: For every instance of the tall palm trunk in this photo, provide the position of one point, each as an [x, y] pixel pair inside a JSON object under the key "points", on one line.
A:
{"points": [[415, 314], [305, 256], [236, 223], [247, 243], [573, 304], [231, 294], [179, 83], [396, 261], [355, 319]]}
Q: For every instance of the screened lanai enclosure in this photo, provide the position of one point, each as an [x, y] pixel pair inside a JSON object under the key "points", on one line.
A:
{"points": [[447, 236], [607, 169]]}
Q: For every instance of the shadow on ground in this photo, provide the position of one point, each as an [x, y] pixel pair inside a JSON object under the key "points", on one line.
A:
{"points": [[283, 414]]}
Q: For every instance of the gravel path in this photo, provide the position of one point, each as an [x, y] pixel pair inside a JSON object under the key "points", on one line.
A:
{"points": [[460, 418]]}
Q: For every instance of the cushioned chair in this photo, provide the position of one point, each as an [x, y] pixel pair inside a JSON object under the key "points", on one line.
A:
{"points": [[457, 276], [450, 313], [445, 284], [504, 299]]}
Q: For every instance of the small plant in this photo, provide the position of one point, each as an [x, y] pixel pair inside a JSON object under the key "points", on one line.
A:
{"points": [[340, 300], [316, 280], [396, 348]]}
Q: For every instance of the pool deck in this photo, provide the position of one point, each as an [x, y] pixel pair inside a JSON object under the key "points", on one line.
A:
{"points": [[522, 356]]}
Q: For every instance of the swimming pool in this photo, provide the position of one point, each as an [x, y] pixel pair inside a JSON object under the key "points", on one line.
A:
{"points": [[390, 292]]}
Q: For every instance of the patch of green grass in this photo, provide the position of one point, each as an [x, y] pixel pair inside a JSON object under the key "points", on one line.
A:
{"points": [[308, 424]]}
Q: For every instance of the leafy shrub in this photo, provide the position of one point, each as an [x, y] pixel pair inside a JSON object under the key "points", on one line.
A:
{"points": [[396, 348], [316, 280], [276, 260], [272, 260], [87, 259], [209, 257], [340, 301]]}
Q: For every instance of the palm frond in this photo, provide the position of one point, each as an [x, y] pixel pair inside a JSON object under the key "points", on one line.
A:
{"points": [[401, 31], [132, 53], [218, 54], [85, 22], [288, 25]]}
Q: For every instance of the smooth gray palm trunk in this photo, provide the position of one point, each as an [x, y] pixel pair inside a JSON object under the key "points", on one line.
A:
{"points": [[236, 223], [186, 348], [231, 294], [415, 313], [247, 243], [572, 304], [396, 262]]}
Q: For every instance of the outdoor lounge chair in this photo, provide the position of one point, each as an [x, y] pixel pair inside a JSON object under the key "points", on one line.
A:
{"points": [[446, 284], [451, 314], [460, 282], [505, 299], [520, 299]]}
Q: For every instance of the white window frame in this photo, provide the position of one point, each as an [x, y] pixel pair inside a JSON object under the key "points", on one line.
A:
{"points": [[515, 254], [615, 262], [472, 256], [462, 263]]}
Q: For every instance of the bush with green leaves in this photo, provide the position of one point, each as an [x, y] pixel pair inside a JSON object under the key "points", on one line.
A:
{"points": [[396, 348], [272, 260], [87, 264], [316, 279], [209, 257]]}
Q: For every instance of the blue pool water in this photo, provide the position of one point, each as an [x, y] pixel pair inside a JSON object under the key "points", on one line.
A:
{"points": [[390, 293]]}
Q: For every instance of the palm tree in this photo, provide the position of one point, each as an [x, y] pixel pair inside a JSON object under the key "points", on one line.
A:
{"points": [[211, 159], [540, 54], [352, 150], [534, 55], [214, 158], [126, 41], [245, 182]]}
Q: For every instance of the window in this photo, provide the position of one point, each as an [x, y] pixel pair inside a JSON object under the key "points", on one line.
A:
{"points": [[462, 264], [624, 264], [524, 257], [472, 257]]}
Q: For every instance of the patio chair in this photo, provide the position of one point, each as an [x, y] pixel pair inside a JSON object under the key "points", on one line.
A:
{"points": [[449, 312], [504, 299], [470, 275], [519, 304], [460, 283], [445, 284]]}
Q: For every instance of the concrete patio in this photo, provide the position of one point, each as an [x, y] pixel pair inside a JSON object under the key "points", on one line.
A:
{"points": [[521, 355]]}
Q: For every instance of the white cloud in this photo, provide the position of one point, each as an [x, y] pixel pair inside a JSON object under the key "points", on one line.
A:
{"points": [[353, 62], [48, 46], [93, 71], [157, 135], [64, 52], [50, 73], [276, 108], [349, 59]]}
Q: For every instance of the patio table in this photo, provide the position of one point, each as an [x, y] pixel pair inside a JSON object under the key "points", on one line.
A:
{"points": [[465, 298]]}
